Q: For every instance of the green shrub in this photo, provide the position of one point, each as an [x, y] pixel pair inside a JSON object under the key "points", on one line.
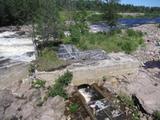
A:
{"points": [[157, 115], [75, 34], [38, 83], [96, 18], [131, 33], [58, 87], [73, 107], [114, 41]]}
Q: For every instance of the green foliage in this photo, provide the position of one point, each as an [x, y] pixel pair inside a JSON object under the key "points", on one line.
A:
{"points": [[58, 87], [73, 107], [75, 34], [48, 60], [96, 17], [17, 11], [157, 115], [38, 83], [126, 100], [114, 41], [111, 12], [47, 21]]}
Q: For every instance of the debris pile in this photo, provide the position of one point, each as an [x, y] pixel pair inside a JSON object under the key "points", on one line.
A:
{"points": [[70, 52]]}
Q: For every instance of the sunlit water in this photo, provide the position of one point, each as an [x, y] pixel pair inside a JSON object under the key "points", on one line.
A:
{"points": [[16, 48]]}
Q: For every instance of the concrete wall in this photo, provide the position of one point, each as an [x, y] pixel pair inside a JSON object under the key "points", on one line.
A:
{"points": [[10, 75], [92, 74]]}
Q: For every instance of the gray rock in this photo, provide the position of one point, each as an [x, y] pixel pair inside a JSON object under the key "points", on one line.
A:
{"points": [[1, 113], [6, 98], [53, 109], [147, 93]]}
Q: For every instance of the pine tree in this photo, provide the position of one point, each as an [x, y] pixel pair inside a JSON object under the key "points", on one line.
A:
{"points": [[111, 12]]}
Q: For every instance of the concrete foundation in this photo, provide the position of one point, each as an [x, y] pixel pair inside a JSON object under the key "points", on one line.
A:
{"points": [[119, 64]]}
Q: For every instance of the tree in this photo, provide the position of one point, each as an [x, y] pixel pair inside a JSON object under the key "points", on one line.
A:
{"points": [[47, 22], [111, 12]]}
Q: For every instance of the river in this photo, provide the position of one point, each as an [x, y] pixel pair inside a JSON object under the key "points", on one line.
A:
{"points": [[123, 23], [15, 49]]}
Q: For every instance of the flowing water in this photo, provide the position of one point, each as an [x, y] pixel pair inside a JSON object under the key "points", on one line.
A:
{"points": [[15, 49]]}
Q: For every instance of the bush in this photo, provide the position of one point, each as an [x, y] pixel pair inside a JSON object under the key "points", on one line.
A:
{"points": [[75, 34], [60, 84], [114, 41], [157, 115], [38, 83], [131, 33], [73, 107]]}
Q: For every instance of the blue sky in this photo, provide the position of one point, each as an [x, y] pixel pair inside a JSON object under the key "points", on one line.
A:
{"points": [[150, 3]]}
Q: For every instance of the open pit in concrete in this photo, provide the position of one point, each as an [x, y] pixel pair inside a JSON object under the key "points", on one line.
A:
{"points": [[99, 107]]}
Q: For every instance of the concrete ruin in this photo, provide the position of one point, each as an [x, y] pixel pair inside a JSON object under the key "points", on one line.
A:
{"points": [[90, 72]]}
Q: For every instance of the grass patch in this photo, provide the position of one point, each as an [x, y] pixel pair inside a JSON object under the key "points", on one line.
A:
{"points": [[114, 41], [96, 18], [73, 107], [48, 60], [38, 83], [58, 87]]}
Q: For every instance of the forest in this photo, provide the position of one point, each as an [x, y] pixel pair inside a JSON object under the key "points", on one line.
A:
{"points": [[13, 12]]}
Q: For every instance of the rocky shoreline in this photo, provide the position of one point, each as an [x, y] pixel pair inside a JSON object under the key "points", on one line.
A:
{"points": [[20, 100]]}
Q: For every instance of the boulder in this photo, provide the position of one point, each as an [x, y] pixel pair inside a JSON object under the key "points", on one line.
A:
{"points": [[53, 109], [147, 90]]}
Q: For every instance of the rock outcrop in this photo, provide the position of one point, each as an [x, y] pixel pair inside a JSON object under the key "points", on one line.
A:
{"points": [[147, 90], [26, 103]]}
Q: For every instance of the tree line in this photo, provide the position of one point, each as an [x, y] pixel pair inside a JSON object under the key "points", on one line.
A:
{"points": [[44, 15]]}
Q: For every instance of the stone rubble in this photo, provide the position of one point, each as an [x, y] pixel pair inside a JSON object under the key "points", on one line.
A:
{"points": [[151, 51]]}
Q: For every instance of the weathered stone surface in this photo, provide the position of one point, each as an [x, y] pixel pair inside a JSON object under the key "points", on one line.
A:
{"points": [[143, 86], [92, 72], [53, 109], [21, 104], [6, 99]]}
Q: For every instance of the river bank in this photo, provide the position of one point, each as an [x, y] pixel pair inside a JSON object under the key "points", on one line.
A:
{"points": [[16, 52]]}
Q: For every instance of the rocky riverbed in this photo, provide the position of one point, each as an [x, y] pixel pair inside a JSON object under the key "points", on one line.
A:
{"points": [[16, 45], [16, 52]]}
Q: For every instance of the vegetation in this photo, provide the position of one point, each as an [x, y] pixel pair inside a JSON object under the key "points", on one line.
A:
{"points": [[111, 13], [48, 60], [58, 87], [47, 24], [38, 83], [13, 12], [114, 41], [73, 107], [157, 115], [126, 100]]}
